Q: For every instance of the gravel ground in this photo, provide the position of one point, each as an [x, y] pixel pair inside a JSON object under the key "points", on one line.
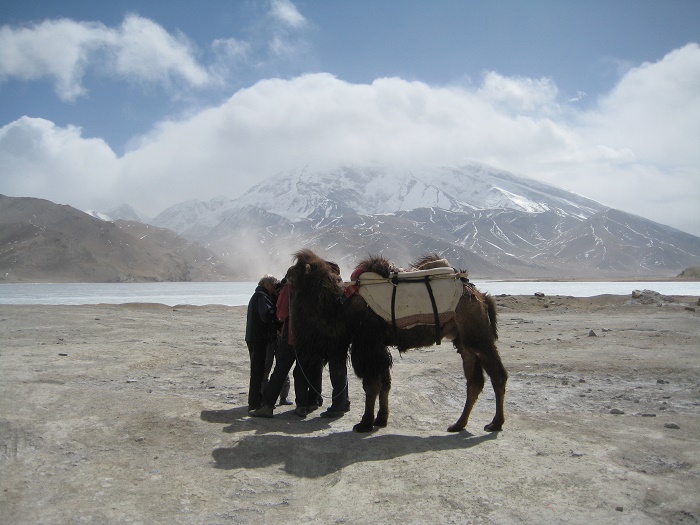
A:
{"points": [[136, 414]]}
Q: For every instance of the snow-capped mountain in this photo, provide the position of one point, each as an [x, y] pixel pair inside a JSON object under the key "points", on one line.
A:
{"points": [[98, 215], [485, 220], [194, 219], [369, 191], [126, 213]]}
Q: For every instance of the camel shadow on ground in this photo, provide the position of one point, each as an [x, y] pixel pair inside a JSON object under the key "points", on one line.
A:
{"points": [[281, 442]]}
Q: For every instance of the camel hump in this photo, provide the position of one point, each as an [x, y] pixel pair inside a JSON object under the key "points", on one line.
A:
{"points": [[437, 263]]}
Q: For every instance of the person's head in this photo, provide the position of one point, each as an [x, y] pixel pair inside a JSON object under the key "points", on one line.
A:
{"points": [[269, 282]]}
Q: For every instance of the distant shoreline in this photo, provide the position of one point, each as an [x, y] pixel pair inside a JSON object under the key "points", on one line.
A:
{"points": [[534, 300], [473, 278], [237, 293], [595, 280]]}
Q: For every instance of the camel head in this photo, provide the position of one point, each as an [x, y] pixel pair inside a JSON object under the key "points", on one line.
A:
{"points": [[306, 265], [317, 298], [313, 274]]}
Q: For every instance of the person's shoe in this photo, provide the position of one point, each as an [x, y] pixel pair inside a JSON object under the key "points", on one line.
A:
{"points": [[285, 401], [253, 407], [311, 408], [300, 411], [263, 411], [332, 414]]}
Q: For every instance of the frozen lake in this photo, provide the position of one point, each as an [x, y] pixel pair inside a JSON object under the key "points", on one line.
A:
{"points": [[238, 293]]}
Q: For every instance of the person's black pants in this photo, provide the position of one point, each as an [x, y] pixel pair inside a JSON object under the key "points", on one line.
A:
{"points": [[273, 355], [338, 370], [283, 364], [257, 351], [308, 378]]}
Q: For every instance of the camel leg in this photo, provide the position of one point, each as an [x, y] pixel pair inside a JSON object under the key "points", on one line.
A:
{"points": [[474, 375], [372, 387], [493, 366], [383, 413]]}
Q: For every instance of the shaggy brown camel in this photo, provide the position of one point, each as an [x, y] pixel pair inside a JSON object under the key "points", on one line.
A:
{"points": [[325, 318]]}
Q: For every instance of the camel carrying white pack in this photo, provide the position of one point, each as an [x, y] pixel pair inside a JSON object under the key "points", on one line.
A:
{"points": [[408, 299]]}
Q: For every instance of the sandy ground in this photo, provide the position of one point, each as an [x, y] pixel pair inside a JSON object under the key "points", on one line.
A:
{"points": [[136, 414]]}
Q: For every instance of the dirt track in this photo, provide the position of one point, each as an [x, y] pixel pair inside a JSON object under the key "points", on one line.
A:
{"points": [[135, 414]]}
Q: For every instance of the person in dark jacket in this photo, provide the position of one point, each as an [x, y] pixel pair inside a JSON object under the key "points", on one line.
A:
{"points": [[276, 350], [285, 358], [260, 331], [307, 373]]}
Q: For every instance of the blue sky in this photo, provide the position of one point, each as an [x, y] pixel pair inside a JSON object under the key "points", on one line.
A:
{"points": [[153, 103]]}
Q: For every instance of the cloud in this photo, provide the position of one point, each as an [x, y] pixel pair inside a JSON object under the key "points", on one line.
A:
{"points": [[654, 111], [287, 13], [287, 38], [635, 149], [57, 49], [64, 50], [141, 49], [231, 48], [520, 94], [40, 159], [580, 95]]}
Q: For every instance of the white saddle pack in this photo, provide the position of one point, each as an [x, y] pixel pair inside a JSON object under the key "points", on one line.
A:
{"points": [[408, 299]]}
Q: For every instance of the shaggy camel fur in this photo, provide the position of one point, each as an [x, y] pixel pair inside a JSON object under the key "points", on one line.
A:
{"points": [[325, 320]]}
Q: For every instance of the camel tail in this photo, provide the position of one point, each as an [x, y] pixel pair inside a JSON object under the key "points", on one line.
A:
{"points": [[491, 305]]}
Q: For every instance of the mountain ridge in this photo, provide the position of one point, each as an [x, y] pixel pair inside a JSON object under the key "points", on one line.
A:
{"points": [[498, 224], [41, 241], [489, 222]]}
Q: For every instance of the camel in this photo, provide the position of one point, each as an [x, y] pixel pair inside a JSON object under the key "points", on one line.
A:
{"points": [[326, 320]]}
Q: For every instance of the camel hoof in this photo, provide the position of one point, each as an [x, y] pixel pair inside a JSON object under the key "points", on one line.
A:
{"points": [[493, 427], [380, 422], [363, 427], [455, 428]]}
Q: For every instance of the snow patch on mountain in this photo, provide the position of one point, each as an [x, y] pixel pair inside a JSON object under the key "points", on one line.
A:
{"points": [[127, 213], [98, 215], [305, 193]]}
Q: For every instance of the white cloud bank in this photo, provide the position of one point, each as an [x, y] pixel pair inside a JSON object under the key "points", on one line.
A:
{"points": [[635, 150]]}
